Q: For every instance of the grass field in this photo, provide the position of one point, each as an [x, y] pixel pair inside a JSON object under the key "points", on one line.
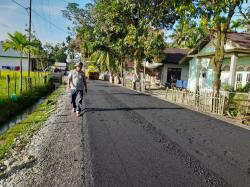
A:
{"points": [[10, 108], [37, 79]]}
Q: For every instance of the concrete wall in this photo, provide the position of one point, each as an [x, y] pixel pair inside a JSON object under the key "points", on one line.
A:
{"points": [[13, 62], [164, 71]]}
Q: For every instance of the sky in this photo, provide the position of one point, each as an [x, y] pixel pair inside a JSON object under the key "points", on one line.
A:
{"points": [[15, 18]]}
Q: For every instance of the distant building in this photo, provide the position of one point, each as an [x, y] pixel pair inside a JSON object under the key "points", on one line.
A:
{"points": [[61, 66], [10, 60], [172, 70]]}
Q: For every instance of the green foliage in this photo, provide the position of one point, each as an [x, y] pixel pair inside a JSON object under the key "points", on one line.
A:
{"points": [[129, 29], [18, 42], [188, 33], [59, 52], [105, 61], [233, 113], [227, 87], [244, 89], [7, 106]]}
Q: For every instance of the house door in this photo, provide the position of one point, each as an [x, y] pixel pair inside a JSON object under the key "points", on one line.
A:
{"points": [[173, 75]]}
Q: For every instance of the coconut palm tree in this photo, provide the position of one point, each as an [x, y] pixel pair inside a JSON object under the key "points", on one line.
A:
{"points": [[105, 61], [21, 44]]}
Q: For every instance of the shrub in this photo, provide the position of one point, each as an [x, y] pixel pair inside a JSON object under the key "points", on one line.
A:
{"points": [[227, 87]]}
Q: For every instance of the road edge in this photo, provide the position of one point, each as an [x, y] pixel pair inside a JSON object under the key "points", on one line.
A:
{"points": [[88, 173]]}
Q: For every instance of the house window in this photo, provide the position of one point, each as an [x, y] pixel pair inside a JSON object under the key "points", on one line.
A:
{"points": [[204, 73], [239, 78], [248, 78]]}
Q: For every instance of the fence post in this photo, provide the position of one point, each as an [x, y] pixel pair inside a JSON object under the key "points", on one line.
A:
{"points": [[30, 83], [38, 77], [8, 85], [248, 104], [26, 84], [15, 82]]}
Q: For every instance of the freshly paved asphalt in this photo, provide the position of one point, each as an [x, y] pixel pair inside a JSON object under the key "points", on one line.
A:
{"points": [[138, 140]]}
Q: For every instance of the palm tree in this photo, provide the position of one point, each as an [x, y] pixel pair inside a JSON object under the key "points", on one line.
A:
{"points": [[19, 43], [105, 61]]}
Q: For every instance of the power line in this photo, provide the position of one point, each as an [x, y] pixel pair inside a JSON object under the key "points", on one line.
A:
{"points": [[46, 20], [19, 4]]}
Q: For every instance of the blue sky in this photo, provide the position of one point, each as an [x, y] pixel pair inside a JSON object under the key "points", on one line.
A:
{"points": [[14, 18]]}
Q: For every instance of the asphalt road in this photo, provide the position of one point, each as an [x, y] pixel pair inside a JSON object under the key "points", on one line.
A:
{"points": [[139, 140]]}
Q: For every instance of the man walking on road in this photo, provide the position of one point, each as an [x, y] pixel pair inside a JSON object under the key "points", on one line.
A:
{"points": [[77, 84]]}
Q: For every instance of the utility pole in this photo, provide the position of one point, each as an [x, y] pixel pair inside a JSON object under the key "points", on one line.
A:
{"points": [[29, 63]]}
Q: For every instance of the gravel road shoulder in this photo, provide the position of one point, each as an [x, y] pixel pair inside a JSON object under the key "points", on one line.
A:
{"points": [[56, 155]]}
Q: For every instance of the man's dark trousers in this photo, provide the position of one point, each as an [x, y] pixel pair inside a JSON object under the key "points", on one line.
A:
{"points": [[77, 99]]}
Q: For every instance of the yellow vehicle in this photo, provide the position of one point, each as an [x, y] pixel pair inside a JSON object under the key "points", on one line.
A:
{"points": [[92, 73]]}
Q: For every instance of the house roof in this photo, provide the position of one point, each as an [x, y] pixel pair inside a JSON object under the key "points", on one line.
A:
{"points": [[9, 53], [240, 42], [174, 55]]}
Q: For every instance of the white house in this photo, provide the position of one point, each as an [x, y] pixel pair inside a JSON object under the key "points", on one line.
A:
{"points": [[235, 66], [10, 60], [172, 70]]}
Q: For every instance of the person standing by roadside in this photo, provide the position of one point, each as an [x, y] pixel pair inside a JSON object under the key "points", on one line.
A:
{"points": [[77, 84]]}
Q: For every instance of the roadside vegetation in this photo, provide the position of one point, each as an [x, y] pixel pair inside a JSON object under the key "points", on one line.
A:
{"points": [[11, 101], [18, 136]]}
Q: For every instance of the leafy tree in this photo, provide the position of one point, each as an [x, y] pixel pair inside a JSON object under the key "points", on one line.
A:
{"points": [[187, 33], [83, 28], [21, 44], [41, 56], [142, 17]]}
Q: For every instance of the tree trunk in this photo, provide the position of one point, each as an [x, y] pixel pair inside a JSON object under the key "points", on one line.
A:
{"points": [[216, 77], [122, 73], [219, 56]]}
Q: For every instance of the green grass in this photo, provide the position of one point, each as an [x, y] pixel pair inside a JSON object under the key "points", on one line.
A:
{"points": [[36, 78], [26, 128], [8, 107]]}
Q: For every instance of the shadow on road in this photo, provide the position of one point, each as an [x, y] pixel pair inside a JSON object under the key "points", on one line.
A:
{"points": [[129, 94], [128, 109]]}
